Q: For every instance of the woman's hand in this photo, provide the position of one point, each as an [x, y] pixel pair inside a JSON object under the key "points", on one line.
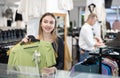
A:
{"points": [[25, 40], [48, 71]]}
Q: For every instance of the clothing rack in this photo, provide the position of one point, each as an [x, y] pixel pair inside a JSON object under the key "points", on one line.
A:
{"points": [[8, 38], [100, 55], [11, 36]]}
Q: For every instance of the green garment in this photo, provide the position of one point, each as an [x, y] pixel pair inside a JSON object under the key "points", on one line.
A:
{"points": [[21, 55]]}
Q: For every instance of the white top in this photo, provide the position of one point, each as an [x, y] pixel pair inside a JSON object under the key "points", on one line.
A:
{"points": [[101, 15], [86, 38], [65, 4], [32, 9]]}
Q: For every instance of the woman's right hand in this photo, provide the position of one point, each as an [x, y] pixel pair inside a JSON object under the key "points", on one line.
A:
{"points": [[25, 40]]}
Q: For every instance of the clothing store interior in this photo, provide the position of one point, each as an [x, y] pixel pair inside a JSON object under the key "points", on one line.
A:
{"points": [[59, 38]]}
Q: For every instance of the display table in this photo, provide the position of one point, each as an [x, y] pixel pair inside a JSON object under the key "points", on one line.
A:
{"points": [[4, 73]]}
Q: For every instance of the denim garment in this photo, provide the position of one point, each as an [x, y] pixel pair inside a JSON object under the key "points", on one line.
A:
{"points": [[83, 56]]}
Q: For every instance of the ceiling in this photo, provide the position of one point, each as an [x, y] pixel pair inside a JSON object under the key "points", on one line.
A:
{"points": [[8, 2], [81, 3]]}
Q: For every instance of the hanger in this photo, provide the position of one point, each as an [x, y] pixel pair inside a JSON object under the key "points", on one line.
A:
{"points": [[31, 39], [30, 47], [91, 9]]}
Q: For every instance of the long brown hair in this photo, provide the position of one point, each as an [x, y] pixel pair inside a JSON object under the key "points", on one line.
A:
{"points": [[53, 33]]}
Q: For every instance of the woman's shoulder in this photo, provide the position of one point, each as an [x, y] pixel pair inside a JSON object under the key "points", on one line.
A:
{"points": [[59, 38], [60, 41]]}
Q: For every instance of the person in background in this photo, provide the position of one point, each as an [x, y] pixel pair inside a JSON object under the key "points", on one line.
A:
{"points": [[87, 39], [116, 25], [47, 36]]}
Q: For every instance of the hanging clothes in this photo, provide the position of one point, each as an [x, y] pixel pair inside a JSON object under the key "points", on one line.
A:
{"points": [[112, 64], [99, 9], [106, 69], [23, 55], [65, 4], [31, 9], [18, 17]]}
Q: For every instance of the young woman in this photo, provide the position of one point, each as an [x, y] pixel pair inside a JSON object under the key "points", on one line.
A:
{"points": [[48, 33], [51, 46]]}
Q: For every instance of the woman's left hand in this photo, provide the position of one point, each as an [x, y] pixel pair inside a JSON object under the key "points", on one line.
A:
{"points": [[50, 70]]}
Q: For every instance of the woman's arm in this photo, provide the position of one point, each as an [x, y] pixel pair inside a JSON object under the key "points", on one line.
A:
{"points": [[60, 58]]}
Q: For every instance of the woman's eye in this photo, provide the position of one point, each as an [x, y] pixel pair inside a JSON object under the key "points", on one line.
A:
{"points": [[51, 22], [45, 21]]}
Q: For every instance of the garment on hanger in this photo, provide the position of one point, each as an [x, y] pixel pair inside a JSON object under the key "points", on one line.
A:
{"points": [[65, 4], [112, 64], [23, 55], [18, 17], [106, 69], [32, 9], [8, 12], [97, 7]]}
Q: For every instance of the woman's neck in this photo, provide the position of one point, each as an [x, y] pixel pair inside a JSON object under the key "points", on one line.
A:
{"points": [[47, 37]]}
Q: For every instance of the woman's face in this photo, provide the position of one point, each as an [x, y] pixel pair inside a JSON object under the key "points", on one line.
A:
{"points": [[48, 24]]}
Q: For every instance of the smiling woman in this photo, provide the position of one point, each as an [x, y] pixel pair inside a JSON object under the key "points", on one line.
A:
{"points": [[49, 46]]}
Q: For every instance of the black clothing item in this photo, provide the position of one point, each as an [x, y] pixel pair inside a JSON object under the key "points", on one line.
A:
{"points": [[115, 42], [60, 53], [9, 22], [30, 38], [108, 27], [18, 17]]}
